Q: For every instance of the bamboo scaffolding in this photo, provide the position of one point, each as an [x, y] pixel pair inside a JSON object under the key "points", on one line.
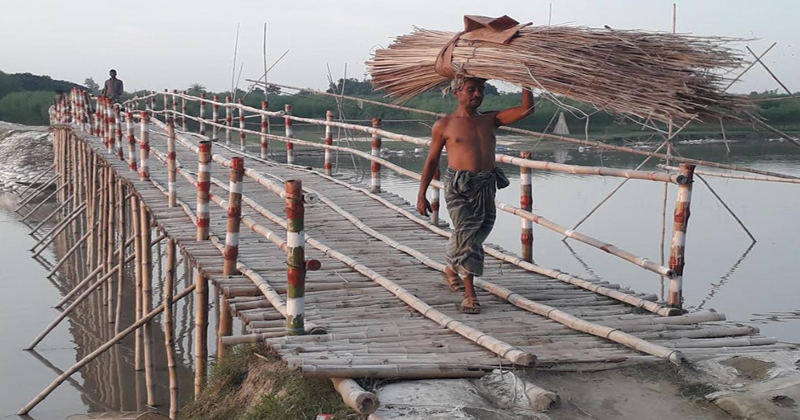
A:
{"points": [[43, 202], [69, 253], [33, 180], [50, 216], [36, 193]]}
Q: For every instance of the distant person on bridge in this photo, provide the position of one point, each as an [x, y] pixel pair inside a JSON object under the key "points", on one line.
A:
{"points": [[113, 87], [471, 180]]}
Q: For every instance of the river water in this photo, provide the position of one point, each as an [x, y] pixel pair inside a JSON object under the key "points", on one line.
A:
{"points": [[753, 283]]}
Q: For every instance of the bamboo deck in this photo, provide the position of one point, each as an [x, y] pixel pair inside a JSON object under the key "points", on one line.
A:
{"points": [[369, 331]]}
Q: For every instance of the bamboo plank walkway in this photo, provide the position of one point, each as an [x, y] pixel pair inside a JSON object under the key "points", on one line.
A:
{"points": [[369, 331]]}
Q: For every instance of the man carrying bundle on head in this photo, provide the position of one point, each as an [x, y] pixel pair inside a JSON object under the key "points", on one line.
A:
{"points": [[471, 180]]}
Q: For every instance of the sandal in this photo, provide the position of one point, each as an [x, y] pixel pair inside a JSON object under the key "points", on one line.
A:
{"points": [[454, 283], [470, 305]]}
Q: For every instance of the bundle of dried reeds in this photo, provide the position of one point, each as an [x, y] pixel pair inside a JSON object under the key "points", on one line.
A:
{"points": [[633, 73]]}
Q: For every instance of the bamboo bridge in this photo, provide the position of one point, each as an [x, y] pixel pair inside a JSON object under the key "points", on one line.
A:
{"points": [[343, 281]]}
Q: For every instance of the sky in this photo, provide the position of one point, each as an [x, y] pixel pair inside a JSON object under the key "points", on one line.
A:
{"points": [[173, 43]]}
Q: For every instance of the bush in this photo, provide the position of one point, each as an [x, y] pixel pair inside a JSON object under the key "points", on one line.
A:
{"points": [[29, 108]]}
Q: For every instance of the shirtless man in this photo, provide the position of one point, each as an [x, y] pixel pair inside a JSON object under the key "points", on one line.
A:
{"points": [[470, 182]]}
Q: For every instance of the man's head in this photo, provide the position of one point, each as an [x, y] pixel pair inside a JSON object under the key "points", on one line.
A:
{"points": [[468, 90], [112, 73]]}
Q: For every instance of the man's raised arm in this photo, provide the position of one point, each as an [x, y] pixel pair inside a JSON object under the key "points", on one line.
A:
{"points": [[431, 164], [511, 115]]}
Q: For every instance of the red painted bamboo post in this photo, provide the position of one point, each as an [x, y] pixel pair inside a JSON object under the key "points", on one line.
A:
{"points": [[174, 107], [295, 258], [328, 142], [228, 120], [214, 118], [118, 125], [112, 129], [376, 152], [526, 203], [153, 103], [171, 166], [202, 114], [264, 130], [435, 199], [166, 106], [231, 253], [183, 112], [92, 117], [144, 147], [678, 248], [242, 146], [201, 282], [287, 123], [131, 142]]}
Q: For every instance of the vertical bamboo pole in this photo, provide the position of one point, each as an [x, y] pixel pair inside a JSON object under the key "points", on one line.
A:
{"points": [[231, 253], [328, 142], [171, 167], [144, 147], [202, 114], [264, 130], [678, 248], [111, 209], [376, 151], [121, 248], [435, 199], [228, 120], [201, 283], [112, 128], [214, 118], [287, 109], [183, 113], [95, 121], [131, 142], [174, 107], [242, 146], [138, 246], [166, 106], [118, 134], [169, 330], [147, 301], [295, 259], [153, 103], [526, 203]]}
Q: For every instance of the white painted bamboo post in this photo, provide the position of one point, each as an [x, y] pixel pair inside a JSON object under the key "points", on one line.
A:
{"points": [[214, 118], [678, 248], [376, 151], [171, 166], [174, 107], [131, 142], [264, 130], [228, 120], [201, 282], [435, 199], [112, 129], [183, 112], [241, 127], [202, 114], [287, 123], [526, 203], [166, 106], [118, 126], [144, 147], [328, 166], [231, 253], [295, 258], [153, 103]]}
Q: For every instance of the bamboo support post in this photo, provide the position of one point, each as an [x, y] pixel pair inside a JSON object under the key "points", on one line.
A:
{"points": [[242, 146], [93, 355], [169, 330], [202, 114], [36, 178], [69, 253], [328, 167], [50, 216], [38, 191], [231, 246], [144, 147], [295, 258], [171, 165], [376, 151], [287, 123], [201, 282], [214, 118], [228, 120], [678, 247], [138, 249], [45, 200], [122, 248], [147, 302], [51, 235], [526, 203], [264, 130]]}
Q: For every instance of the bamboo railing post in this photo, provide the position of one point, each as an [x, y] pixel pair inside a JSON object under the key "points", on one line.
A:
{"points": [[228, 120], [118, 127], [171, 167], [109, 228], [122, 247], [144, 147], [147, 301], [153, 103], [328, 142], [678, 248], [183, 113], [174, 107], [231, 252], [242, 146], [214, 118], [295, 258], [376, 151], [526, 203], [287, 123], [169, 329], [202, 114], [264, 130], [435, 199], [201, 282], [112, 129], [166, 106], [131, 142]]}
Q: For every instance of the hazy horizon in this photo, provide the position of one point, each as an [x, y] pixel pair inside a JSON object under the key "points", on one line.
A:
{"points": [[173, 44]]}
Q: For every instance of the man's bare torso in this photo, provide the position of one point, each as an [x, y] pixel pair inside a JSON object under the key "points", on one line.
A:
{"points": [[470, 141]]}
